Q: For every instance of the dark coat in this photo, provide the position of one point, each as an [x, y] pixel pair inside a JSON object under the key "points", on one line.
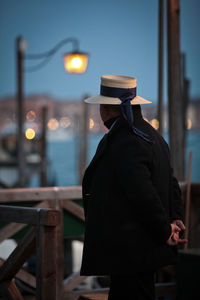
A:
{"points": [[130, 198]]}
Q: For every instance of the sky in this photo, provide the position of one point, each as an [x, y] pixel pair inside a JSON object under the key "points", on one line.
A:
{"points": [[120, 36]]}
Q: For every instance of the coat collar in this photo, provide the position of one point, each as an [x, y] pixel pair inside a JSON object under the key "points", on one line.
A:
{"points": [[117, 124]]}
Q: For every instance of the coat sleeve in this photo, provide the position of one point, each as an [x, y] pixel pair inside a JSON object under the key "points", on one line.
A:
{"points": [[177, 204], [132, 164]]}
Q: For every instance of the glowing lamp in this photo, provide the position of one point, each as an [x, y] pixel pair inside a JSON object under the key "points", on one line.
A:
{"points": [[30, 134], [76, 62]]}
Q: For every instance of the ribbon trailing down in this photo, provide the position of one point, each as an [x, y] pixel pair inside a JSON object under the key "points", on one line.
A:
{"points": [[125, 95]]}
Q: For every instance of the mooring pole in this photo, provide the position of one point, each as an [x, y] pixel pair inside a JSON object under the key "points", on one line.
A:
{"points": [[175, 103], [83, 141], [43, 150], [20, 110], [160, 64]]}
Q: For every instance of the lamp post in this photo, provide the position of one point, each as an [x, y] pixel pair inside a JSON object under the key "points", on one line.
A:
{"points": [[74, 62]]}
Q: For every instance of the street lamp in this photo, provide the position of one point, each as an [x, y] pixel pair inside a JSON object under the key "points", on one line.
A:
{"points": [[74, 62]]}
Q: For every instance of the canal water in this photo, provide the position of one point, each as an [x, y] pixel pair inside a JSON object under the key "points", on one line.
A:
{"points": [[63, 157]]}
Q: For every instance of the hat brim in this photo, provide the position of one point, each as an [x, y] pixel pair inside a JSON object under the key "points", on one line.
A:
{"points": [[99, 99]]}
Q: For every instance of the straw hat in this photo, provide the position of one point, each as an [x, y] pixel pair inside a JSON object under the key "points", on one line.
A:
{"points": [[115, 86]]}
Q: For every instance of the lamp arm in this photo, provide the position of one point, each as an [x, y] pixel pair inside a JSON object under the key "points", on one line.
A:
{"points": [[49, 53], [38, 66]]}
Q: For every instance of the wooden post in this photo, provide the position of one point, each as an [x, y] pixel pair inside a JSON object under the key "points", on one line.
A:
{"points": [[175, 103], [56, 204], [77, 129], [185, 88], [83, 155], [46, 262], [160, 65], [20, 111], [43, 173], [187, 201]]}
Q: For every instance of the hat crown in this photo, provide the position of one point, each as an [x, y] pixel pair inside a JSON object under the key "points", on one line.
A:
{"points": [[119, 81]]}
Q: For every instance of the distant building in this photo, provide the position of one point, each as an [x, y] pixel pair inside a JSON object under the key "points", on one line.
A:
{"points": [[72, 109]]}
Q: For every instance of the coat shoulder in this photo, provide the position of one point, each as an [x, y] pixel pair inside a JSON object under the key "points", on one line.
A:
{"points": [[124, 142]]}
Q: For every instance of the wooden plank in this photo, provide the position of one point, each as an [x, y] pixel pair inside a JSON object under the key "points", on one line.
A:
{"points": [[60, 193], [46, 263], [28, 215], [17, 258], [74, 209], [23, 276], [9, 291], [39, 194], [73, 281], [18, 214], [10, 229], [26, 277], [165, 289]]}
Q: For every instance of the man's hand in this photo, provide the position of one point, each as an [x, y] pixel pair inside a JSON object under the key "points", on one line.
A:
{"points": [[179, 223], [174, 238]]}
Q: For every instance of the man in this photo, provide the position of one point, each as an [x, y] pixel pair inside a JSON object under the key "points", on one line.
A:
{"points": [[132, 202]]}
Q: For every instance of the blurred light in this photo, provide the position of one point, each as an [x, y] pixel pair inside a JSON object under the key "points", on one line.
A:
{"points": [[65, 122], [91, 123], [53, 124], [31, 115], [30, 133], [96, 128], [76, 62], [155, 123], [146, 120], [189, 124]]}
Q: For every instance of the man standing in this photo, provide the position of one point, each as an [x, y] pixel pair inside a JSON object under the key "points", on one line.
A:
{"points": [[132, 202]]}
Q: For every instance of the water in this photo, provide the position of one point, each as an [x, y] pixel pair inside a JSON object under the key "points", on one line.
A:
{"points": [[193, 144], [63, 155]]}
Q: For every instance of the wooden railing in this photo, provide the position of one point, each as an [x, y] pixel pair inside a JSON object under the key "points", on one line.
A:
{"points": [[64, 198], [43, 234]]}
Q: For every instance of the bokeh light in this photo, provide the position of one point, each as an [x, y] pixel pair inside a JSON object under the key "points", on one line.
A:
{"points": [[155, 123], [65, 122], [189, 124], [31, 115], [91, 123], [30, 133], [53, 124]]}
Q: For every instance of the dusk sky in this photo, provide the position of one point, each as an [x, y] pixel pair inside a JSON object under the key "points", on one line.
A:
{"points": [[120, 36]]}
